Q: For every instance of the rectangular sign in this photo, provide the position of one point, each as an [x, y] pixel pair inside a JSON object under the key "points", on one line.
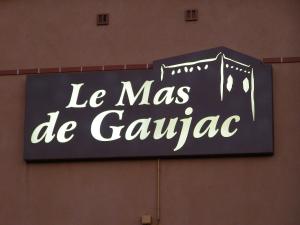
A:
{"points": [[213, 102]]}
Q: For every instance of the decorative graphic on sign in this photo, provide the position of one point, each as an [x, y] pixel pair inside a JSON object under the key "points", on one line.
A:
{"points": [[227, 65], [207, 103]]}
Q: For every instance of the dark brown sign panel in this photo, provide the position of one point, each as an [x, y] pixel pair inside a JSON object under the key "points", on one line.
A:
{"points": [[213, 102]]}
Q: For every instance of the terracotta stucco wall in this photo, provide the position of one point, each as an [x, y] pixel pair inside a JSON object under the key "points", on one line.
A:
{"points": [[64, 33]]}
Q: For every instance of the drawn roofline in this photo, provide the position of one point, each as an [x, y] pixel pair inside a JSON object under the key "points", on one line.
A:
{"points": [[194, 62], [199, 61], [205, 60]]}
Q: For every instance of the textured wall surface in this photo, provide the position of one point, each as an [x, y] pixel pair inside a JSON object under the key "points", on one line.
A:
{"points": [[208, 191], [50, 33]]}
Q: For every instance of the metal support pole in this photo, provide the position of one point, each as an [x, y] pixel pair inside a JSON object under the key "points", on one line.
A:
{"points": [[158, 193]]}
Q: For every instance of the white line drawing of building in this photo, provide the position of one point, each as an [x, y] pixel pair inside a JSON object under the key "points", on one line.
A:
{"points": [[226, 62]]}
